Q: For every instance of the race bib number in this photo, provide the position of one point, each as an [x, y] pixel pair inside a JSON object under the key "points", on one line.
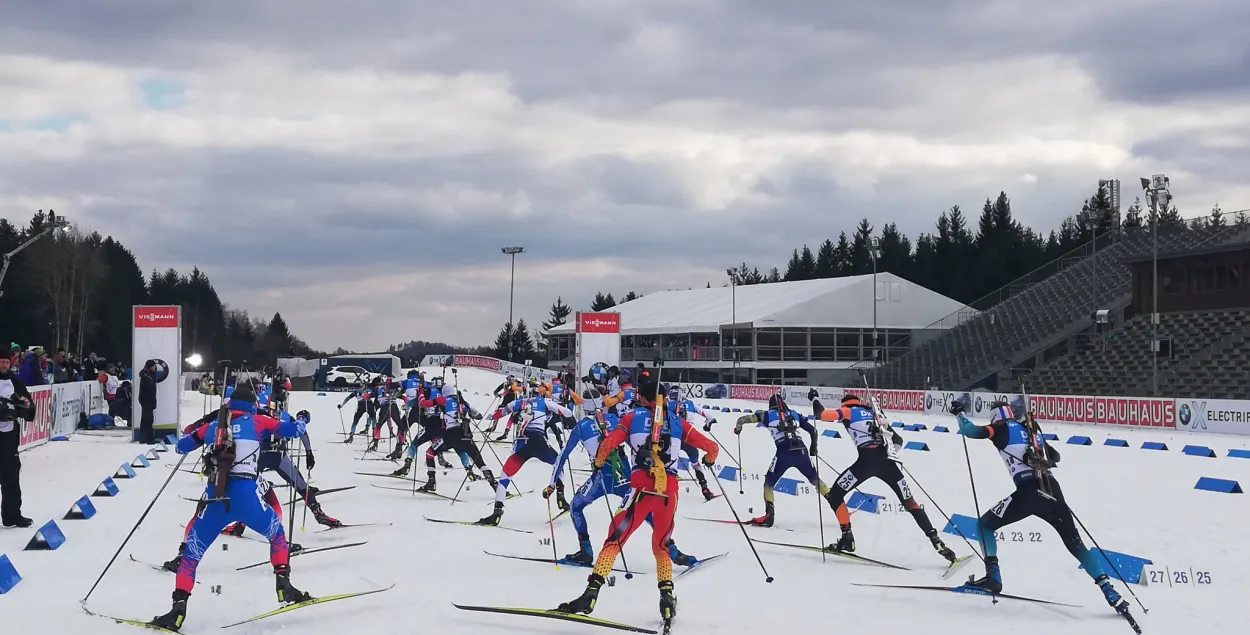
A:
{"points": [[1001, 507], [904, 489], [847, 481]]}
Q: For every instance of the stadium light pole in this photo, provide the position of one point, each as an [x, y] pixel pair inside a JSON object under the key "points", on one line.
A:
{"points": [[511, 251], [1157, 193], [733, 316], [873, 248], [56, 224]]}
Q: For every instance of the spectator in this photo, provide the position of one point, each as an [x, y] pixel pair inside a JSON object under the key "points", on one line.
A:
{"points": [[15, 403], [31, 373], [147, 402], [60, 367], [89, 367], [125, 396], [15, 355]]}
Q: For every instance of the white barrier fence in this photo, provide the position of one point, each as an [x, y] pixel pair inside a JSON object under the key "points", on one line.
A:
{"points": [[57, 410], [1196, 415], [487, 363]]}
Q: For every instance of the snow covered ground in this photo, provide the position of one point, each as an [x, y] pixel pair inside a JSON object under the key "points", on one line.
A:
{"points": [[1136, 501]]}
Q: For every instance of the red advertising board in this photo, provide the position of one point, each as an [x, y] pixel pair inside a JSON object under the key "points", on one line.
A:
{"points": [[147, 317], [896, 400], [599, 323], [1063, 408], [477, 361], [1135, 411], [38, 431], [752, 392]]}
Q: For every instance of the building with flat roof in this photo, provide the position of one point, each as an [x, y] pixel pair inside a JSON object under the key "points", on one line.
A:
{"points": [[804, 332]]}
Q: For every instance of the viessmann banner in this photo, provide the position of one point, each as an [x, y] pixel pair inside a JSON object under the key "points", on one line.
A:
{"points": [[158, 337], [598, 340]]}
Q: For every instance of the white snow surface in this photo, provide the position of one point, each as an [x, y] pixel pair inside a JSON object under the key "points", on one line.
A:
{"points": [[1135, 501]]}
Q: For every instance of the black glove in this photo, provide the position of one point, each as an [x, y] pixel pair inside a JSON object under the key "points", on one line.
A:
{"points": [[895, 438], [958, 407], [707, 427], [707, 460], [812, 394], [340, 406], [814, 449], [312, 461]]}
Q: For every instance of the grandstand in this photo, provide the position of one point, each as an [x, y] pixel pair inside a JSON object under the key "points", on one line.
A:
{"points": [[1032, 323]]}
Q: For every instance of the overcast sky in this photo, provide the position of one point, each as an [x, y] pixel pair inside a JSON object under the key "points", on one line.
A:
{"points": [[358, 165]]}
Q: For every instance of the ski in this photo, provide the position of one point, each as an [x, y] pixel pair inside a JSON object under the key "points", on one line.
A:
{"points": [[155, 567], [306, 551], [299, 605], [377, 458], [382, 474], [702, 561], [1123, 611], [745, 523], [966, 589], [840, 554], [410, 490], [958, 564], [473, 523], [300, 496], [562, 561], [560, 515], [122, 620], [557, 615], [347, 525]]}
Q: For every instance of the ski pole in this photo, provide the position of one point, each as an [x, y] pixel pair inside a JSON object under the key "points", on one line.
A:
{"points": [[342, 424], [485, 441], [169, 478], [1114, 568], [741, 472], [611, 519], [820, 510], [727, 452], [944, 514], [767, 578], [551, 524]]}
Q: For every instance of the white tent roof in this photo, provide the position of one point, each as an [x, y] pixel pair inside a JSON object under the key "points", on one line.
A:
{"points": [[829, 302]]}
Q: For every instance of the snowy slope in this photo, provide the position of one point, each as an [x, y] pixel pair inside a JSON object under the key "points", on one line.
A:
{"points": [[1136, 501]]}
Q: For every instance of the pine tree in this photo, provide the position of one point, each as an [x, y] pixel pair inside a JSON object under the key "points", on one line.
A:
{"points": [[895, 254], [278, 340], [807, 264], [602, 302], [861, 259], [1216, 219], [629, 297], [842, 256], [774, 275], [794, 268], [501, 343], [1242, 219], [826, 260], [559, 315], [523, 343], [1133, 217], [1170, 218]]}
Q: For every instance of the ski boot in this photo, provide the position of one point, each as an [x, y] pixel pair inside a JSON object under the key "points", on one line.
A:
{"points": [[287, 593], [707, 493], [403, 469], [501, 438], [941, 547], [845, 544], [172, 565], [585, 603], [173, 619], [396, 453], [294, 548], [668, 602], [323, 518], [490, 478], [471, 475], [679, 558], [444, 463], [373, 445], [561, 502], [1114, 599], [584, 556], [993, 580], [495, 516], [430, 484], [350, 437], [766, 520]]}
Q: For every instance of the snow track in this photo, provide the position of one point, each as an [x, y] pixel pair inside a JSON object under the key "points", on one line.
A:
{"points": [[1139, 502]]}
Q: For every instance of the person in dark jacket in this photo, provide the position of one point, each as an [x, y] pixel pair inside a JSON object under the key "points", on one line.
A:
{"points": [[147, 402], [15, 403], [31, 373]]}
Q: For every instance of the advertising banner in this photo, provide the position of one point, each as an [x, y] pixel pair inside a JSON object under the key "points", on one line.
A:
{"points": [[1135, 411], [1224, 416], [38, 431], [896, 400], [598, 340], [69, 401], [937, 402], [158, 337], [753, 392], [477, 361]]}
